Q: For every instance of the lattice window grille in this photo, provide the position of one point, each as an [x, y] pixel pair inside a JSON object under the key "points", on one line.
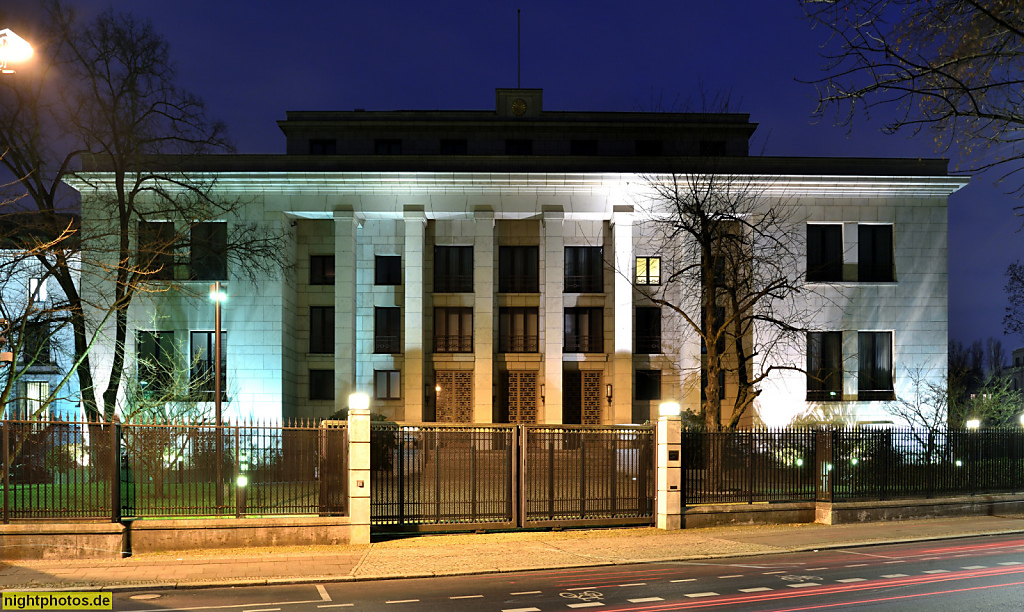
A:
{"points": [[591, 398], [522, 397]]}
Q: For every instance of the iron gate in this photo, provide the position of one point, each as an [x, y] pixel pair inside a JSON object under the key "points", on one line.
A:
{"points": [[435, 477]]}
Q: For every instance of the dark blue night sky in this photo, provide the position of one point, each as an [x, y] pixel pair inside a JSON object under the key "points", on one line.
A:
{"points": [[252, 61]]}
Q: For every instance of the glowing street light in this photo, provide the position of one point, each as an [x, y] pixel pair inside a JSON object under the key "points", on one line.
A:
{"points": [[973, 424], [669, 409], [13, 49]]}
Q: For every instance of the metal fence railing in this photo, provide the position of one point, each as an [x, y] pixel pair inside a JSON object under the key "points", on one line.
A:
{"points": [[60, 469], [848, 464], [588, 473]]}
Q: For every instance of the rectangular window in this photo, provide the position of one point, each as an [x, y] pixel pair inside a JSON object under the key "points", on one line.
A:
{"points": [[154, 352], [323, 146], [35, 395], [874, 355], [388, 147], [648, 330], [874, 254], [321, 330], [453, 269], [35, 346], [824, 366], [648, 270], [155, 253], [387, 270], [387, 384], [584, 270], [583, 147], [202, 364], [719, 323], [453, 146], [453, 330], [824, 253], [210, 251], [584, 330], [649, 148], [37, 290], [518, 330], [648, 385], [321, 384], [387, 330], [518, 146], [321, 269], [518, 269]]}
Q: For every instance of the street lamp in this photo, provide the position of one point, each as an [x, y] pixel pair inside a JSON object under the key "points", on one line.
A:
{"points": [[973, 424], [218, 295], [13, 49]]}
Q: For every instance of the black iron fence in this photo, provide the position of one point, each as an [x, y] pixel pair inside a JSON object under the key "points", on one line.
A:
{"points": [[60, 469], [848, 464]]}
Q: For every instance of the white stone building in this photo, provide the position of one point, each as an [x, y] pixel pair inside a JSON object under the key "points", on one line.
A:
{"points": [[478, 266]]}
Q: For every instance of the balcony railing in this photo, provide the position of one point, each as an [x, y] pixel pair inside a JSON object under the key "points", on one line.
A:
{"points": [[583, 344], [453, 344], [387, 344], [453, 283], [648, 345], [584, 284], [517, 344], [519, 284]]}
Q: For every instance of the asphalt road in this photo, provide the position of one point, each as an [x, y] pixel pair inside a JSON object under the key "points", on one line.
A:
{"points": [[958, 574]]}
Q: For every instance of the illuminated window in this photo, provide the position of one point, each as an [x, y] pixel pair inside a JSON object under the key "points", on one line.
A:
{"points": [[518, 269], [209, 251], [824, 253], [584, 330], [584, 270], [648, 385], [202, 361], [874, 357], [321, 384], [874, 254], [388, 147], [387, 384], [321, 329], [648, 270], [37, 290], [387, 270], [453, 330], [824, 366], [321, 269], [154, 352], [517, 330], [387, 330], [33, 401]]}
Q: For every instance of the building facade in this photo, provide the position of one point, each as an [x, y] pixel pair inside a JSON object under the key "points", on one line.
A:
{"points": [[489, 266]]}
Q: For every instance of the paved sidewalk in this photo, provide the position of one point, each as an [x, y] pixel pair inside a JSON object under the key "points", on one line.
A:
{"points": [[472, 553]]}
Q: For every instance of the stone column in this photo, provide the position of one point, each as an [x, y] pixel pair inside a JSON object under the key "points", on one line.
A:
{"points": [[622, 239], [670, 494], [415, 225], [359, 473], [345, 226], [483, 316], [553, 312]]}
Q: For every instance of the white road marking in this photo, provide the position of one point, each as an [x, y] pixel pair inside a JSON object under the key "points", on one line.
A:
{"points": [[770, 573], [525, 593], [707, 594], [397, 601], [814, 569], [894, 575], [801, 585], [323, 592], [683, 580], [634, 584], [755, 590], [935, 572], [851, 580], [1009, 563], [263, 610], [929, 558], [589, 604], [235, 606], [582, 589], [465, 596], [891, 562], [337, 606], [732, 576], [645, 600], [521, 610], [857, 565], [974, 567]]}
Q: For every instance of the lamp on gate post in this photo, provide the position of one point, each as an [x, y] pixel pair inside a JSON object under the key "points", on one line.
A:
{"points": [[13, 49], [218, 295]]}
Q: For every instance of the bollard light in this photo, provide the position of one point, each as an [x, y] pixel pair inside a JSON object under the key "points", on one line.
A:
{"points": [[973, 424], [242, 480], [669, 409], [359, 402]]}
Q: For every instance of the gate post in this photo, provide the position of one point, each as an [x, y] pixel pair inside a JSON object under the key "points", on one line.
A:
{"points": [[669, 440], [359, 468]]}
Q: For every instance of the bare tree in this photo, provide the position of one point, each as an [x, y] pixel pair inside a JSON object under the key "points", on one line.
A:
{"points": [[925, 407], [104, 95], [729, 271], [995, 357], [952, 66]]}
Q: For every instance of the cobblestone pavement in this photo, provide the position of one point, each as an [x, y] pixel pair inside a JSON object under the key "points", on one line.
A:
{"points": [[436, 555]]}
